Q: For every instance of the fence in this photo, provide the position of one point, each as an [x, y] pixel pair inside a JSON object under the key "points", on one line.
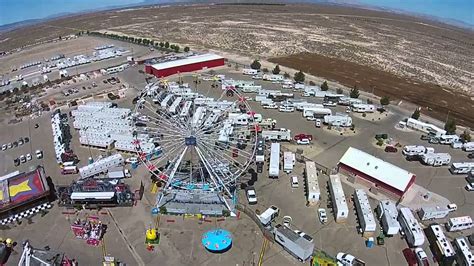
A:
{"points": [[251, 214]]}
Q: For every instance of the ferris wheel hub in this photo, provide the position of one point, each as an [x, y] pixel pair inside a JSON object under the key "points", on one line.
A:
{"points": [[190, 141]]}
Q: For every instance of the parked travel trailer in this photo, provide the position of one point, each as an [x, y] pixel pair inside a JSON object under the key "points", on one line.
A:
{"points": [[468, 146], [273, 77], [198, 117], [433, 212], [347, 101], [277, 134], [413, 232], [440, 245], [338, 120], [301, 247], [339, 204], [249, 71], [425, 127], [388, 214], [101, 166], [166, 100], [465, 255], [268, 215], [312, 183], [461, 167], [316, 112], [436, 159], [448, 139], [260, 152], [274, 168], [412, 150], [363, 108], [174, 106], [185, 110], [302, 105], [459, 223], [68, 170], [364, 213], [251, 88], [289, 161]]}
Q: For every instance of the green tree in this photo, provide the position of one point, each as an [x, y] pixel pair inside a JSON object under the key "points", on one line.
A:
{"points": [[286, 75], [255, 64], [385, 100], [276, 70], [172, 46], [299, 77], [186, 49], [450, 126], [176, 48], [354, 92], [466, 136], [339, 91], [324, 86], [167, 45], [416, 114], [162, 44]]}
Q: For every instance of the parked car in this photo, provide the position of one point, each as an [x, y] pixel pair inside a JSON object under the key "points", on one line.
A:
{"points": [[310, 118], [9, 145], [28, 157], [270, 106], [27, 139], [39, 154], [131, 160], [4, 147], [434, 141], [15, 144], [425, 137], [303, 142], [421, 257], [345, 259], [469, 187], [323, 218], [318, 122], [21, 141], [470, 155], [391, 149], [23, 159], [16, 162], [251, 195], [303, 136], [409, 256]]}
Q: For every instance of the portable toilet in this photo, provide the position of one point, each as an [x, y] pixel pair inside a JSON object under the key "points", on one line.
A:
{"points": [[91, 160], [370, 242], [134, 165]]}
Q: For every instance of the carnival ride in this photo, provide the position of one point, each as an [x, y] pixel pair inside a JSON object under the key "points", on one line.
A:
{"points": [[205, 144]]}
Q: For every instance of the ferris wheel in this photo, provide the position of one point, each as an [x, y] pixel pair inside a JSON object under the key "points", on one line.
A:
{"points": [[203, 140]]}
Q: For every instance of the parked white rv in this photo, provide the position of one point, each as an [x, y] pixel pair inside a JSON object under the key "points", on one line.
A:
{"points": [[468, 146], [316, 112], [411, 150], [300, 106], [363, 108], [289, 160], [249, 71], [448, 139], [260, 152], [339, 204], [388, 213], [251, 88], [464, 251], [425, 127], [274, 168], [414, 234], [433, 212], [312, 183], [436, 159], [364, 213], [338, 120], [273, 77], [277, 134], [459, 223], [461, 167]]}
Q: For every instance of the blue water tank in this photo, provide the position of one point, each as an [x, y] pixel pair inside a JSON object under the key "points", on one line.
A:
{"points": [[154, 211]]}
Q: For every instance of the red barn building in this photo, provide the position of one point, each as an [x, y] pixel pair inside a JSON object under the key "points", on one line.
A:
{"points": [[375, 172], [188, 64]]}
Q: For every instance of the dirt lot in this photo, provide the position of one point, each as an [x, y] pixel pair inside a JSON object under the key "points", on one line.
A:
{"points": [[440, 100]]}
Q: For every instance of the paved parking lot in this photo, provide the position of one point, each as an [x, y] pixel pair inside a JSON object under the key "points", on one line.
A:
{"points": [[180, 242]]}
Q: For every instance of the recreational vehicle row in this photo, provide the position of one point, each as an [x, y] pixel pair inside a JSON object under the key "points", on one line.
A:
{"points": [[281, 134], [436, 159], [461, 167]]}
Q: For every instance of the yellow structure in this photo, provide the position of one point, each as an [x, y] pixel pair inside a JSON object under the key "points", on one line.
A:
{"points": [[151, 234]]}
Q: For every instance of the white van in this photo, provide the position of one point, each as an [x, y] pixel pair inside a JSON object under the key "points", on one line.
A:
{"points": [[294, 182]]}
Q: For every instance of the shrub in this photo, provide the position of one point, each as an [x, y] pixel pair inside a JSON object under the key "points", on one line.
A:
{"points": [[163, 210]]}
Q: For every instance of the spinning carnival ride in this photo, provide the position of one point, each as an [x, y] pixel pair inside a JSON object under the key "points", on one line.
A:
{"points": [[201, 144]]}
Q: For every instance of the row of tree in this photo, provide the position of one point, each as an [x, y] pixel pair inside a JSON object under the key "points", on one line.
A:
{"points": [[141, 41]]}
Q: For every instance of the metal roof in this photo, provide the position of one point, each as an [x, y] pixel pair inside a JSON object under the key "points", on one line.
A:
{"points": [[376, 168], [187, 61]]}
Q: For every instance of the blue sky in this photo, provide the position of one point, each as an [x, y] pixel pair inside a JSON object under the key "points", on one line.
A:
{"points": [[462, 10], [19, 10]]}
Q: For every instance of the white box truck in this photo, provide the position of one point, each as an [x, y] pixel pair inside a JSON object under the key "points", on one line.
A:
{"points": [[269, 215]]}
